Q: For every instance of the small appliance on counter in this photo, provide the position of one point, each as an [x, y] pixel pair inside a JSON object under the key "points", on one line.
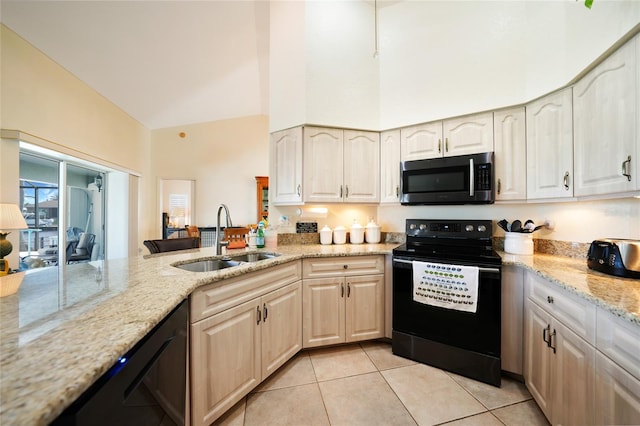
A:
{"points": [[619, 257]]}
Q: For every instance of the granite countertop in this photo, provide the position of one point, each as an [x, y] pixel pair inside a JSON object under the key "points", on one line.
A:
{"points": [[67, 325], [621, 296]]}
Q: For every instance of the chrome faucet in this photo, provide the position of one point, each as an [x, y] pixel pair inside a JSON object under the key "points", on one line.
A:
{"points": [[219, 243]]}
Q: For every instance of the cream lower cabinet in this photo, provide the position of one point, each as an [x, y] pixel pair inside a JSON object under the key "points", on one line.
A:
{"points": [[238, 346], [559, 364], [617, 370], [617, 394], [343, 300]]}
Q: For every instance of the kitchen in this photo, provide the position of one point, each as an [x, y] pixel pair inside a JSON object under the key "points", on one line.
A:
{"points": [[598, 218]]}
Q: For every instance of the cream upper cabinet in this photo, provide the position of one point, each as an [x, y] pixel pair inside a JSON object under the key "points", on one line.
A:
{"points": [[286, 167], [421, 141], [470, 134], [323, 155], [390, 167], [510, 154], [605, 104], [550, 146], [341, 166], [361, 167]]}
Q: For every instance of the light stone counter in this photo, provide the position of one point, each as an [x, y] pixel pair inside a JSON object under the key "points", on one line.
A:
{"points": [[67, 325], [620, 296]]}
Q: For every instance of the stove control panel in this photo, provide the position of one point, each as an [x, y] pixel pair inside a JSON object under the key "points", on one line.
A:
{"points": [[447, 228]]}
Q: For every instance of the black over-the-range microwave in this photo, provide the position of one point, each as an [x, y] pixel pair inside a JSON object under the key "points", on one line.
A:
{"points": [[463, 179]]}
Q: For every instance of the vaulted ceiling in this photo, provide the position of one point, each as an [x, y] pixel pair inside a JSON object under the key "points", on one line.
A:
{"points": [[165, 63]]}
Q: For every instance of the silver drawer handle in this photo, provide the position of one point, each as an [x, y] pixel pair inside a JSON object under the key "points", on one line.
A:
{"points": [[480, 269], [626, 168]]}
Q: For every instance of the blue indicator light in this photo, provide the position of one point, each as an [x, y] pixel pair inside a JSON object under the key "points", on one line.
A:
{"points": [[122, 360]]}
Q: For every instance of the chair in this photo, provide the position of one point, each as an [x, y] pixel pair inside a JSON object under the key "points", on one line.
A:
{"points": [[82, 250], [172, 244], [194, 232]]}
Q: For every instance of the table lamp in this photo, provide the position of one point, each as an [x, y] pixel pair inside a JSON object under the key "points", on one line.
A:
{"points": [[10, 219]]}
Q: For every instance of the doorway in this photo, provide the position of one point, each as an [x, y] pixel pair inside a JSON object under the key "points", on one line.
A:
{"points": [[177, 204]]}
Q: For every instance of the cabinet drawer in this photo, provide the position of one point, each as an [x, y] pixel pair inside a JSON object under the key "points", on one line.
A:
{"points": [[220, 296], [322, 267], [619, 340], [578, 314]]}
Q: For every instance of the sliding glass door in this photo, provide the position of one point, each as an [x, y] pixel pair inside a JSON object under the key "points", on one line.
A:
{"points": [[63, 204]]}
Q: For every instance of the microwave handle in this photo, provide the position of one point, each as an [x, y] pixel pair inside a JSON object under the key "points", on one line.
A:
{"points": [[471, 178]]}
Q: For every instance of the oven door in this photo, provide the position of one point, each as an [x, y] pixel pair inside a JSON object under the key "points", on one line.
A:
{"points": [[477, 332]]}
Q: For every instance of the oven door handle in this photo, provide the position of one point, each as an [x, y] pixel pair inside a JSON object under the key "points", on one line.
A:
{"points": [[495, 270], [472, 179]]}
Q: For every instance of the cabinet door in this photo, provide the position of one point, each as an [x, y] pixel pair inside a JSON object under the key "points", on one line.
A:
{"points": [[390, 167], [286, 167], [537, 356], [225, 361], [323, 312], [468, 135], [281, 326], [323, 165], [617, 394], [364, 307], [361, 167], [619, 339], [421, 141], [573, 373], [512, 319], [510, 154], [605, 103], [550, 146]]}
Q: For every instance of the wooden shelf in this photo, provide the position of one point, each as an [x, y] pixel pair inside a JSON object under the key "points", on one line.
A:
{"points": [[262, 193]]}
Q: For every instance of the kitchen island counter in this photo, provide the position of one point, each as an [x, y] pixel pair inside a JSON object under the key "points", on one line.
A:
{"points": [[67, 325]]}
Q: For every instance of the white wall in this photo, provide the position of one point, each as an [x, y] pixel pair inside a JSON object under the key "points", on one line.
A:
{"points": [[287, 79], [222, 157], [440, 59], [322, 69], [342, 74], [573, 221], [42, 99]]}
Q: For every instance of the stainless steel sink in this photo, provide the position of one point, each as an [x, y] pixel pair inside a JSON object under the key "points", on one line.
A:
{"points": [[208, 265], [254, 257]]}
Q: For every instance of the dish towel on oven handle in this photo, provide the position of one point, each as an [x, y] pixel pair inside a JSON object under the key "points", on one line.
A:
{"points": [[446, 286]]}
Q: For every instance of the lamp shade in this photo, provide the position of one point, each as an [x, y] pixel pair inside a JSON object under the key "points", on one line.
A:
{"points": [[11, 218]]}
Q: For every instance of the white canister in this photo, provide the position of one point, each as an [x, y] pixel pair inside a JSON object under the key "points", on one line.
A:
{"points": [[356, 234], [325, 235], [372, 232], [518, 242], [252, 240], [339, 235]]}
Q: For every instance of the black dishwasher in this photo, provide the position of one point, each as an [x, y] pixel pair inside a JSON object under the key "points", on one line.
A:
{"points": [[146, 386]]}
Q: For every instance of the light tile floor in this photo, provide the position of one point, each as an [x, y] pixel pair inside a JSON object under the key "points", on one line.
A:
{"points": [[365, 384]]}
